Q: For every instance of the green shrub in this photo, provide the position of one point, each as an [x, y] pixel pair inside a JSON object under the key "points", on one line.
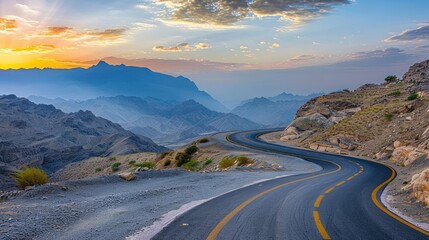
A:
{"points": [[167, 163], [391, 78], [413, 96], [242, 160], [388, 116], [226, 162], [98, 169], [207, 162], [30, 177], [191, 150], [395, 93], [115, 166], [191, 165], [182, 158], [132, 162], [145, 164], [112, 158], [203, 140]]}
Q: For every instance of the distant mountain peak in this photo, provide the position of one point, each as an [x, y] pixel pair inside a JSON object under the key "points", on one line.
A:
{"points": [[102, 63]]}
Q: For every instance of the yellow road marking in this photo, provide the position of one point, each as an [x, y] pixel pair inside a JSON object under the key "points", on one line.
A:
{"points": [[340, 183], [373, 195], [318, 201], [213, 234], [319, 225], [350, 178], [380, 206], [329, 190], [216, 230]]}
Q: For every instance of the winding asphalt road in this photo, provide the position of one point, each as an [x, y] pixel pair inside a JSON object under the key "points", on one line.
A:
{"points": [[342, 201]]}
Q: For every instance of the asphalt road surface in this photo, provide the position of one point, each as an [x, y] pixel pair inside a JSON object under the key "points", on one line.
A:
{"points": [[342, 201]]}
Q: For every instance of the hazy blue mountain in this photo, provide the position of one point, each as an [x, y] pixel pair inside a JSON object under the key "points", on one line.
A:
{"points": [[165, 122], [292, 97], [103, 80], [269, 113]]}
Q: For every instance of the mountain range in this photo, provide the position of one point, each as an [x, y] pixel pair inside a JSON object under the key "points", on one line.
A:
{"points": [[277, 111], [166, 122], [41, 135], [103, 80]]}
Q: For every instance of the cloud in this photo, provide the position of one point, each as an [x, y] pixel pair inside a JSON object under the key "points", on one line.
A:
{"points": [[86, 37], [275, 45], [388, 52], [143, 25], [421, 33], [244, 47], [424, 47], [212, 12], [27, 9], [8, 25], [202, 46], [33, 49], [227, 12], [182, 47]]}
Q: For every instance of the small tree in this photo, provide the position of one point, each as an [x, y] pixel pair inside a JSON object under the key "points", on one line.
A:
{"points": [[391, 78]]}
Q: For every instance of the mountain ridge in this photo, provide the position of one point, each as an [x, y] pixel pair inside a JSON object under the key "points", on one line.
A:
{"points": [[41, 135], [104, 80]]}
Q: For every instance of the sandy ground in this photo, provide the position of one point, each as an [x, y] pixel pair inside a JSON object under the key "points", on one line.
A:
{"points": [[108, 207], [392, 197]]}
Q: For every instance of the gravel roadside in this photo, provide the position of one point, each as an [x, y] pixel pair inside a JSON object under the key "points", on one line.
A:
{"points": [[111, 208]]}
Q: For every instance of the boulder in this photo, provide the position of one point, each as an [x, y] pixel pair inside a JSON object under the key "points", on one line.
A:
{"points": [[291, 131], [406, 155], [129, 176], [398, 143], [311, 122], [420, 186]]}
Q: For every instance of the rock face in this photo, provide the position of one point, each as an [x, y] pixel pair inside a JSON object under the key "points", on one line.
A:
{"points": [[32, 134], [418, 73], [420, 186], [313, 121], [406, 155]]}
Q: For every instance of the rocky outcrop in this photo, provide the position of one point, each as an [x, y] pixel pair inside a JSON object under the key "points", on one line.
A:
{"points": [[420, 186], [406, 155], [310, 122], [418, 73]]}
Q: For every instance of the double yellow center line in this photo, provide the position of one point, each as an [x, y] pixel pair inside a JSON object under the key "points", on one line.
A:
{"points": [[319, 199]]}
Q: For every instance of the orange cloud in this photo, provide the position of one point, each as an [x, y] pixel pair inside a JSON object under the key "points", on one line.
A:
{"points": [[87, 37], [7, 25], [182, 47], [33, 49]]}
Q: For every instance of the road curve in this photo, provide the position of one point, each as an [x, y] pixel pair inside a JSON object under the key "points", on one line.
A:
{"points": [[342, 201]]}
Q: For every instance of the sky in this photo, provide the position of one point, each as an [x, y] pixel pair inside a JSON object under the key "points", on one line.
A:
{"points": [[232, 49]]}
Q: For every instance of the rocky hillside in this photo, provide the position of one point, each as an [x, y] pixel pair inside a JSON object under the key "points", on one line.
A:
{"points": [[165, 122], [387, 122], [37, 134]]}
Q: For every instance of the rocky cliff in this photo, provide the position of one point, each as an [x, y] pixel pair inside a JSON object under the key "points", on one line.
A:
{"points": [[41, 135], [387, 122]]}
